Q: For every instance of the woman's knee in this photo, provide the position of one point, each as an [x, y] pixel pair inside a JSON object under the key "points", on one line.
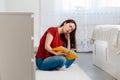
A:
{"points": [[38, 62], [62, 59]]}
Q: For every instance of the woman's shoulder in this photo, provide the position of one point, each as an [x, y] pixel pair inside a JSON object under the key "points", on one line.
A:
{"points": [[52, 28]]}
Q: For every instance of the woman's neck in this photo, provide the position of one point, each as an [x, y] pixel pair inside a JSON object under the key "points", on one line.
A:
{"points": [[60, 30]]}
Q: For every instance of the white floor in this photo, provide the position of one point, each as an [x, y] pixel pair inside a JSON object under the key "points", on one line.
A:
{"points": [[72, 73], [85, 62], [83, 69]]}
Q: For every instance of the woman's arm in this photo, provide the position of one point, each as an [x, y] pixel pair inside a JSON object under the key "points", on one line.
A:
{"points": [[68, 40], [48, 41]]}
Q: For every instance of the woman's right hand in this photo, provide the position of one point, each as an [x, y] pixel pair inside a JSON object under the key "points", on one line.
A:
{"points": [[67, 36], [61, 53]]}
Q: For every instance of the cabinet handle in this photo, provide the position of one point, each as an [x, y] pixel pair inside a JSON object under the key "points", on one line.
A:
{"points": [[32, 38], [106, 52], [94, 49], [32, 60]]}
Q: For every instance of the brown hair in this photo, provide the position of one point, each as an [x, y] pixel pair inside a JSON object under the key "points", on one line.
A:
{"points": [[72, 34]]}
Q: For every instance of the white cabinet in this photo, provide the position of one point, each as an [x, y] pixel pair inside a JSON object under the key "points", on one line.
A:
{"points": [[16, 46], [100, 53], [106, 58]]}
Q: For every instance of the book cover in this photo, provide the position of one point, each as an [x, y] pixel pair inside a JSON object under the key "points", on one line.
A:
{"points": [[71, 53]]}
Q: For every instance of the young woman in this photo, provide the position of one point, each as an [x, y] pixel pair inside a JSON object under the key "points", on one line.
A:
{"points": [[64, 35]]}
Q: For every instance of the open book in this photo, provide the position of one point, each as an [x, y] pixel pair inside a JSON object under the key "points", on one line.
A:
{"points": [[71, 53]]}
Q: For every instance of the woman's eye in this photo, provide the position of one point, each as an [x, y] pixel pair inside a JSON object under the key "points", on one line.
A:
{"points": [[71, 28]]}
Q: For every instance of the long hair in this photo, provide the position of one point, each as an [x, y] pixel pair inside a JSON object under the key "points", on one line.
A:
{"points": [[72, 34]]}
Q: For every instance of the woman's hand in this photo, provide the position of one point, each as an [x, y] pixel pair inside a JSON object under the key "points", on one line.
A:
{"points": [[67, 36], [61, 53], [75, 50]]}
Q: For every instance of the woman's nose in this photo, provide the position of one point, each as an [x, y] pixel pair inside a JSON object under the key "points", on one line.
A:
{"points": [[70, 30]]}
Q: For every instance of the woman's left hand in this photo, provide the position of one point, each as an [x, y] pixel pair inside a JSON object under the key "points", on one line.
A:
{"points": [[67, 36]]}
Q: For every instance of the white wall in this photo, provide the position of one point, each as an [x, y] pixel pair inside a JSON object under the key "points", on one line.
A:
{"points": [[52, 15], [21, 5], [49, 14], [2, 5], [27, 6]]}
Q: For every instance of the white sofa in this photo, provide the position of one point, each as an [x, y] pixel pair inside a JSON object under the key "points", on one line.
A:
{"points": [[106, 51]]}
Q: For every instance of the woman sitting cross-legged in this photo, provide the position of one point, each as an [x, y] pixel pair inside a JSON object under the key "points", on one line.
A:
{"points": [[64, 35]]}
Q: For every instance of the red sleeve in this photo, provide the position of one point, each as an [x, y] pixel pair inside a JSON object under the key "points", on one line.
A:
{"points": [[51, 30]]}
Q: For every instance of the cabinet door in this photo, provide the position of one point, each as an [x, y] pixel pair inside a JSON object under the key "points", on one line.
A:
{"points": [[16, 46], [114, 61], [100, 53]]}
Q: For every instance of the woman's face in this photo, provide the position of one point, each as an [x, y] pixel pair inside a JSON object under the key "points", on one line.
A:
{"points": [[68, 27]]}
